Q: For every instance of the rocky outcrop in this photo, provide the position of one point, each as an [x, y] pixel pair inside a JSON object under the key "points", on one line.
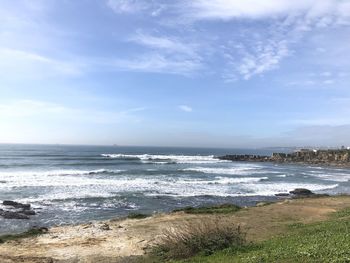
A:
{"points": [[306, 156], [16, 204], [245, 157], [12, 215], [301, 192], [16, 210]]}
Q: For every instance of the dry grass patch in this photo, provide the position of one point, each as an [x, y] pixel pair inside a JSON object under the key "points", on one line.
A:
{"points": [[200, 236]]}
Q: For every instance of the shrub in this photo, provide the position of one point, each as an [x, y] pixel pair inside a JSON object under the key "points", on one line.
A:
{"points": [[201, 236], [29, 233], [137, 216], [217, 209]]}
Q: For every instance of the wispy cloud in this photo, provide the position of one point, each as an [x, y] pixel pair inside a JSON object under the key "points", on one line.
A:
{"points": [[156, 63], [185, 108], [289, 21], [256, 9], [161, 54], [36, 110], [170, 44], [152, 7], [30, 64], [127, 6], [263, 57]]}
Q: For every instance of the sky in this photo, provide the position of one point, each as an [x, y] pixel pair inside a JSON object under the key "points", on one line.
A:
{"points": [[199, 73]]}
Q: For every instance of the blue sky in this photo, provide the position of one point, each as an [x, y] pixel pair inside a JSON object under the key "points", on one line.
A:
{"points": [[211, 73]]}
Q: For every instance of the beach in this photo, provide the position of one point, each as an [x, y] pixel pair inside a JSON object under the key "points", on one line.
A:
{"points": [[78, 184], [125, 240]]}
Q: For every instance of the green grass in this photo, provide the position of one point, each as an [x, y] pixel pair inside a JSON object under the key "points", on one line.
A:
{"points": [[327, 241], [218, 209], [29, 233], [137, 216]]}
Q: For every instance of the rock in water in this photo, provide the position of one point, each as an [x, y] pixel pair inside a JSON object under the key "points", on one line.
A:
{"points": [[16, 204], [12, 215], [282, 194], [301, 192]]}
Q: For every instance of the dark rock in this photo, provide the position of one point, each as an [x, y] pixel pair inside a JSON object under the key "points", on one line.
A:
{"points": [[16, 204], [244, 157], [339, 157], [301, 192], [28, 212], [12, 215], [282, 194], [40, 229], [105, 227]]}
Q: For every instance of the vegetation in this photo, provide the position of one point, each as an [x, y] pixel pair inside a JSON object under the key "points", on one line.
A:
{"points": [[217, 209], [29, 233], [198, 236], [327, 241], [137, 216]]}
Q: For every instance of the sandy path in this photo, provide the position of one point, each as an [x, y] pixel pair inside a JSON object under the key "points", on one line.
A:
{"points": [[93, 243]]}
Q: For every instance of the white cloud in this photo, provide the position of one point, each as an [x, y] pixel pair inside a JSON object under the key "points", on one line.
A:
{"points": [[135, 6], [185, 108], [288, 22], [126, 6], [157, 63], [26, 37], [257, 9], [161, 54], [263, 58], [170, 44]]}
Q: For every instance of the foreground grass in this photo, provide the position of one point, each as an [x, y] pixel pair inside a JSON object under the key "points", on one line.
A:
{"points": [[29, 233], [217, 209], [198, 236], [327, 241]]}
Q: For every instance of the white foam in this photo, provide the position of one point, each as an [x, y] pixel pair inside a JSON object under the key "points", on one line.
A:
{"points": [[55, 172], [336, 177], [242, 170], [268, 189], [146, 158], [281, 175], [226, 180], [66, 184], [51, 178]]}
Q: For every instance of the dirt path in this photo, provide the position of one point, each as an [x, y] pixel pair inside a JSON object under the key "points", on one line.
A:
{"points": [[109, 241]]}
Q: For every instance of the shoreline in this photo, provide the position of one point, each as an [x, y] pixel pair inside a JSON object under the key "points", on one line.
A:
{"points": [[324, 158], [122, 238], [251, 201], [323, 165]]}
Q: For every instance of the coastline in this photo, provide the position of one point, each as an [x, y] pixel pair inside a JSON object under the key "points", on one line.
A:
{"points": [[323, 158], [119, 239]]}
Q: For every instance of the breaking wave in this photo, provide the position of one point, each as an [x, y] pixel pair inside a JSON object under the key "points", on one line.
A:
{"points": [[231, 171], [152, 158]]}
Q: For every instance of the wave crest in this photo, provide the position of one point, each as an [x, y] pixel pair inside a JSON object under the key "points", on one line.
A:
{"points": [[156, 158]]}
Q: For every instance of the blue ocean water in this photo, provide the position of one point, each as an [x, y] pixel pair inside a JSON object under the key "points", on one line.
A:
{"points": [[73, 184]]}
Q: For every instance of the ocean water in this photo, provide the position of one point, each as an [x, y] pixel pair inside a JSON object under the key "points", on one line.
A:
{"points": [[74, 184]]}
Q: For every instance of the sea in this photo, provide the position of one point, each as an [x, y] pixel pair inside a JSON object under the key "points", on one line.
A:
{"points": [[79, 184]]}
